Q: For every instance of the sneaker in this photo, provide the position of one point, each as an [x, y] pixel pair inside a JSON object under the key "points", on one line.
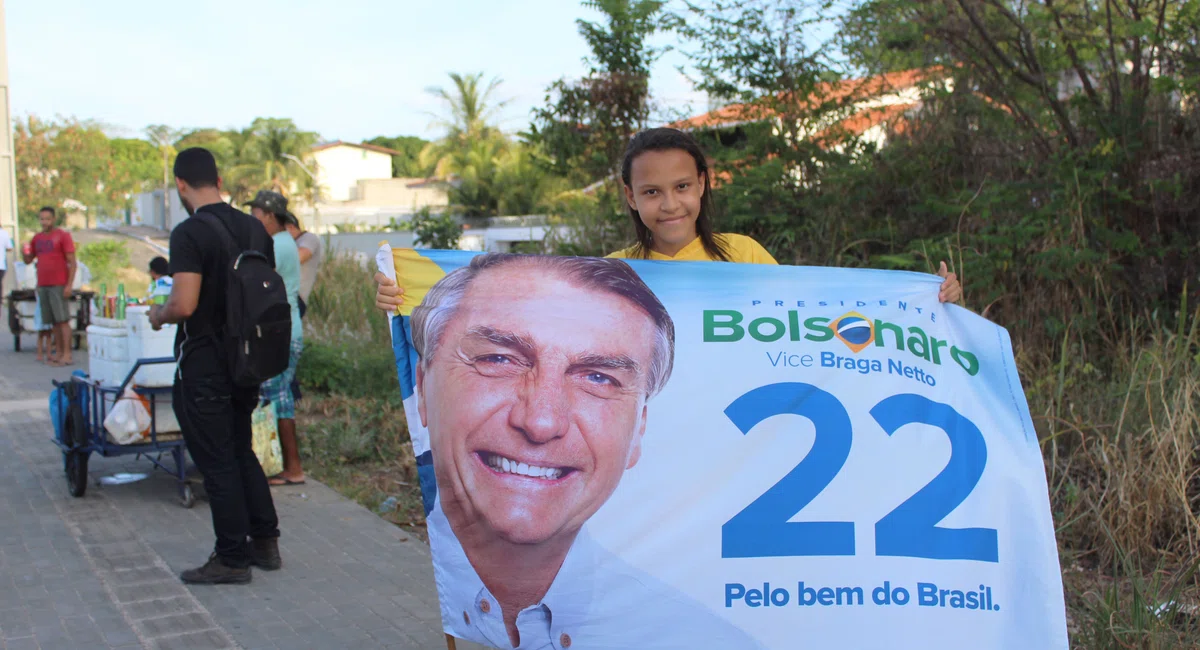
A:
{"points": [[216, 572], [264, 554]]}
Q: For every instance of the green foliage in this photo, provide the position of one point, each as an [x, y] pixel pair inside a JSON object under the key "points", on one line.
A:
{"points": [[348, 369], [136, 165], [598, 223], [586, 124], [104, 259], [439, 231], [408, 163], [59, 162], [347, 346], [758, 50], [261, 158], [523, 183]]}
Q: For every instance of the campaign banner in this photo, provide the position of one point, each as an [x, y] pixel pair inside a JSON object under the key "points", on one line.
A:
{"points": [[620, 454]]}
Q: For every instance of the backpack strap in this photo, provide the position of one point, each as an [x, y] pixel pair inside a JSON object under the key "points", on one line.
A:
{"points": [[231, 245]]}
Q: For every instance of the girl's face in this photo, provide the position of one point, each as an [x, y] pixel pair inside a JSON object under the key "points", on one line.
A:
{"points": [[665, 188]]}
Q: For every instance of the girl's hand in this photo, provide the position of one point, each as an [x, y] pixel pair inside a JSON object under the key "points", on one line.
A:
{"points": [[388, 297], [951, 289]]}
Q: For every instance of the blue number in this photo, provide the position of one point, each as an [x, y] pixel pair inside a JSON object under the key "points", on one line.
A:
{"points": [[762, 528], [911, 530]]}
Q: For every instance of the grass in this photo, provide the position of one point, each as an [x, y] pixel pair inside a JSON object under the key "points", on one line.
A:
{"points": [[360, 447], [1120, 445], [354, 437], [1119, 428]]}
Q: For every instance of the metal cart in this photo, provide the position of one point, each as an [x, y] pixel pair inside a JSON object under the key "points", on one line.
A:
{"points": [[81, 304], [83, 407]]}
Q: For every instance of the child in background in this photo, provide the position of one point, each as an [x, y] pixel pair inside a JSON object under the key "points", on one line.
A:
{"points": [[44, 352], [160, 279]]}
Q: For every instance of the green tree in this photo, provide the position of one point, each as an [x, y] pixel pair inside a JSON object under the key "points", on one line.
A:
{"points": [[469, 113], [523, 182], [469, 152], [586, 124], [262, 159], [136, 166], [438, 231], [408, 163], [62, 162], [224, 145]]}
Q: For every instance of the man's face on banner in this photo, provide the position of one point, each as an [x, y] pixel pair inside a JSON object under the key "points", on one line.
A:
{"points": [[535, 402]]}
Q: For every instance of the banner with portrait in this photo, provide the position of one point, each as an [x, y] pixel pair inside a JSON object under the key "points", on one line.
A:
{"points": [[634, 454]]}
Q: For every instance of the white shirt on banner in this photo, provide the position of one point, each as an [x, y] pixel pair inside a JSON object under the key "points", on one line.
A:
{"points": [[596, 602]]}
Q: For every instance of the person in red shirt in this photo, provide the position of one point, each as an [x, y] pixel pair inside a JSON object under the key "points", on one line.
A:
{"points": [[55, 253]]}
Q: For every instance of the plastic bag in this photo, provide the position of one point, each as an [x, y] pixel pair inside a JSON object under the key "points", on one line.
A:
{"points": [[266, 439], [129, 420]]}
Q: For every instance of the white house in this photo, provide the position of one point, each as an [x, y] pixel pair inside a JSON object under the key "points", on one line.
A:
{"points": [[341, 165]]}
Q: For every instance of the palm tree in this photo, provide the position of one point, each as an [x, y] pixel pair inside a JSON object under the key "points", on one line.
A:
{"points": [[260, 156], [163, 137], [470, 111]]}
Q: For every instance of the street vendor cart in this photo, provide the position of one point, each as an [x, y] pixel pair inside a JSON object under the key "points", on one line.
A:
{"points": [[23, 302], [79, 410]]}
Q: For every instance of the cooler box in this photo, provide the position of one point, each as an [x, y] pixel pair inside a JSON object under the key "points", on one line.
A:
{"points": [[112, 346], [108, 353], [145, 343]]}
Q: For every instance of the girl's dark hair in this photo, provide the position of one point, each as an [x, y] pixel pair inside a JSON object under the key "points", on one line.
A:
{"points": [[664, 139]]}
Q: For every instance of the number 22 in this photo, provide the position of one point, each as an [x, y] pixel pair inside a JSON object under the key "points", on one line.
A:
{"points": [[762, 529]]}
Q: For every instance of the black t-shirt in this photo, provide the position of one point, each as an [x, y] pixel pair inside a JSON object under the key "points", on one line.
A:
{"points": [[197, 248]]}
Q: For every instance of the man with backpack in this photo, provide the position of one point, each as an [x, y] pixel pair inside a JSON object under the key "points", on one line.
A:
{"points": [[235, 334]]}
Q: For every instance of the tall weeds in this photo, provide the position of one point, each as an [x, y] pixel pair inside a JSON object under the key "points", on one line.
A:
{"points": [[1120, 444]]}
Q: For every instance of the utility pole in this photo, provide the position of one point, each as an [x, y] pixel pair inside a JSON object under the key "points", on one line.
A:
{"points": [[8, 161]]}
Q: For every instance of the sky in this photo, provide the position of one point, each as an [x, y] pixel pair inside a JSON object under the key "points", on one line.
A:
{"points": [[347, 69]]}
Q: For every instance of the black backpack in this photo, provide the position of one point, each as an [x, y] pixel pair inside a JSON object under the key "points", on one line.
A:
{"points": [[258, 318]]}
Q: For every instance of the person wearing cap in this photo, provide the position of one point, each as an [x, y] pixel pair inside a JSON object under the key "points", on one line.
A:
{"points": [[160, 278], [312, 253], [271, 209]]}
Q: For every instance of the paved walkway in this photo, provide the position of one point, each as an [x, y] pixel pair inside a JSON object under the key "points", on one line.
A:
{"points": [[100, 571]]}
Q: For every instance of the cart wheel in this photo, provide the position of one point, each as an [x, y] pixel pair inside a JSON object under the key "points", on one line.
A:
{"points": [[187, 498], [76, 460], [77, 469]]}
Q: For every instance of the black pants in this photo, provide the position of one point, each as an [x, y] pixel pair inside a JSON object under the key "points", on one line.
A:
{"points": [[215, 418], [2, 279]]}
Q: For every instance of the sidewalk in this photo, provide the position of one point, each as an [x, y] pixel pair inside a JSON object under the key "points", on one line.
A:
{"points": [[101, 571]]}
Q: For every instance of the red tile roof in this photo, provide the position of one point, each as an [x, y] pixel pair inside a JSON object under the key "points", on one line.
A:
{"points": [[852, 90], [894, 116]]}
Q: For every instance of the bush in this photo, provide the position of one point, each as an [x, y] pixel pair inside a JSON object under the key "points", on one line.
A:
{"points": [[349, 369], [439, 231], [347, 346], [104, 259]]}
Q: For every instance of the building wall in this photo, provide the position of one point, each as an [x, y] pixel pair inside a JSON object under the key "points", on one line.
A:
{"points": [[363, 246], [148, 210], [411, 193], [340, 168]]}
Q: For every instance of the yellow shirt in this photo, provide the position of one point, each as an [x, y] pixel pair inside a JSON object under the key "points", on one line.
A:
{"points": [[741, 249]]}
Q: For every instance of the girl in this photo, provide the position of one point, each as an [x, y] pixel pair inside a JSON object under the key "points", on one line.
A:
{"points": [[668, 190]]}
